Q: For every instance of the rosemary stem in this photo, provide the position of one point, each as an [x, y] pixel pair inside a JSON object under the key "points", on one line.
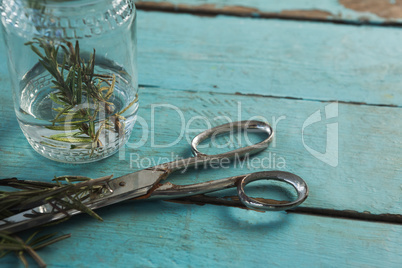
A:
{"points": [[31, 252]]}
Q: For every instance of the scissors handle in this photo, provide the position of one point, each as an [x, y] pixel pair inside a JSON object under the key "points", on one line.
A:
{"points": [[201, 158], [298, 184], [171, 191], [229, 128]]}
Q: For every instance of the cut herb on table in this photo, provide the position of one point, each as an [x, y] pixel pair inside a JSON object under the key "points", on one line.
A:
{"points": [[65, 193]]}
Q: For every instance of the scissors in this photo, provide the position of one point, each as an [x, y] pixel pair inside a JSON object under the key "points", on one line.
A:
{"points": [[146, 184]]}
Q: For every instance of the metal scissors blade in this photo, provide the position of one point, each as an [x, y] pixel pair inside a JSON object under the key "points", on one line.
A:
{"points": [[117, 190]]}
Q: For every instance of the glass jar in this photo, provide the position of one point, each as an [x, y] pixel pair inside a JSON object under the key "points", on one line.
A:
{"points": [[73, 69]]}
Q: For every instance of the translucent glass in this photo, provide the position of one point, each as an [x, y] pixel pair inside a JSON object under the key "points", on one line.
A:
{"points": [[74, 74]]}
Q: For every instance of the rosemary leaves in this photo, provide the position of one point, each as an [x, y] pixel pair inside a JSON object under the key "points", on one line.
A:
{"points": [[76, 106], [82, 97], [64, 194], [13, 243]]}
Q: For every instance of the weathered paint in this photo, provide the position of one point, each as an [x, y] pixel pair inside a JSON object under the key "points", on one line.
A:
{"points": [[224, 54], [383, 8], [347, 11], [271, 57], [187, 63]]}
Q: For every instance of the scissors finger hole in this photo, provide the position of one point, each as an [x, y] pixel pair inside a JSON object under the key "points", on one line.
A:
{"points": [[236, 137], [292, 180], [229, 141], [267, 190]]}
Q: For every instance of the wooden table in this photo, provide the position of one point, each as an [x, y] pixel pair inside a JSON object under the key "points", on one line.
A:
{"points": [[318, 69]]}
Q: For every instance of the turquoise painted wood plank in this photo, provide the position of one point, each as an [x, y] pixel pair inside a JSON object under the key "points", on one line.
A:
{"points": [[268, 57], [271, 57], [162, 234], [353, 11], [363, 173]]}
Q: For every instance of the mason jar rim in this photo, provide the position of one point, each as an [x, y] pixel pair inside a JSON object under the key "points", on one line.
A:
{"points": [[69, 3]]}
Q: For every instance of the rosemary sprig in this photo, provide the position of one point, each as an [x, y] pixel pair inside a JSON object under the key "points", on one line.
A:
{"points": [[78, 87], [67, 192], [64, 193], [13, 243]]}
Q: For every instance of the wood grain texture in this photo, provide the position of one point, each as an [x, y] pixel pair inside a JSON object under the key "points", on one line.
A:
{"points": [[271, 57], [367, 177], [162, 234], [344, 11], [382, 8], [186, 58]]}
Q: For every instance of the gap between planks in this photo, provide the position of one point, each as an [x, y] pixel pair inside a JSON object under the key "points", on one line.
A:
{"points": [[249, 12], [143, 86], [233, 201]]}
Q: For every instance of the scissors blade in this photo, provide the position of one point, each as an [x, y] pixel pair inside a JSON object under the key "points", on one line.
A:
{"points": [[130, 186], [120, 189]]}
